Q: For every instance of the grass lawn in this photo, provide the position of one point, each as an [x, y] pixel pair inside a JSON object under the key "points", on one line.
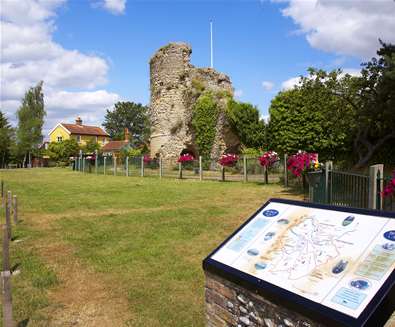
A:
{"points": [[119, 251]]}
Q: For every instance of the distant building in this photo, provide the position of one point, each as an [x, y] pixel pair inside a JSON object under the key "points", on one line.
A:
{"points": [[81, 133], [115, 147]]}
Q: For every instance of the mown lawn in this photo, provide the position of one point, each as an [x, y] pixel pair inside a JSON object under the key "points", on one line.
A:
{"points": [[119, 251]]}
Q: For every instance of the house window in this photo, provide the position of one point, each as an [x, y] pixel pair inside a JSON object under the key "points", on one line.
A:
{"points": [[78, 138], [97, 139], [60, 138]]}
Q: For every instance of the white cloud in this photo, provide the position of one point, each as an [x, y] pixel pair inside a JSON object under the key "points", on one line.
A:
{"points": [[267, 85], [238, 93], [350, 27], [290, 83], [29, 54], [116, 7]]}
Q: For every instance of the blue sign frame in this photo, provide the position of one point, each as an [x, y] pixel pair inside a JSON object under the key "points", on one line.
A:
{"points": [[375, 314]]}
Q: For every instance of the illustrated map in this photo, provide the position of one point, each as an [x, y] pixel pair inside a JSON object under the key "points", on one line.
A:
{"points": [[337, 259]]}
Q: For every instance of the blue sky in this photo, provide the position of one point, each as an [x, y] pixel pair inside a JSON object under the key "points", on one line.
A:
{"points": [[91, 54]]}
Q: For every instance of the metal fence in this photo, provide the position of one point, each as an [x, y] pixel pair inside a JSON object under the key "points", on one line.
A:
{"points": [[350, 189], [246, 169]]}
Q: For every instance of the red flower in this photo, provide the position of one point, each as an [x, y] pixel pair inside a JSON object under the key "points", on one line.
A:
{"points": [[389, 189], [300, 162], [147, 159], [268, 159], [228, 160], [185, 158]]}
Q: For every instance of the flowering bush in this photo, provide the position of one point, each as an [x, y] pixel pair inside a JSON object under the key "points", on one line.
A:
{"points": [[268, 159], [185, 158], [303, 162], [389, 189], [147, 159], [228, 160]]}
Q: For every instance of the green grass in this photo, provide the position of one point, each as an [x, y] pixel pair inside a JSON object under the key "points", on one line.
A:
{"points": [[144, 237]]}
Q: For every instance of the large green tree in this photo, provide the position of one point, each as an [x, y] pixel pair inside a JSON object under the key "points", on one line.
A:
{"points": [[130, 115], [245, 121], [30, 122], [373, 98], [312, 117], [60, 152], [6, 138]]}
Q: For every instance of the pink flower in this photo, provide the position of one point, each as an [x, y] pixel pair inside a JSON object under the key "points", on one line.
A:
{"points": [[268, 159], [228, 160], [185, 158], [389, 189], [147, 159], [301, 162]]}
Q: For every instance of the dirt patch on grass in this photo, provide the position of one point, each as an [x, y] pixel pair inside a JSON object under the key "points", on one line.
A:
{"points": [[83, 297]]}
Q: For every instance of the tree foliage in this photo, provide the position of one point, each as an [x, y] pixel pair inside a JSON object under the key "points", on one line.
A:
{"points": [[6, 138], [130, 115], [245, 121], [204, 120], [61, 152], [30, 122], [312, 117]]}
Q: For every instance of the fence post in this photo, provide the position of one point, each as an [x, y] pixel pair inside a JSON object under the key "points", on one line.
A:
{"points": [[6, 281], [142, 166], [223, 173], [373, 172], [245, 168], [285, 170], [2, 193], [15, 209], [8, 214], [104, 165], [127, 166], [200, 168], [96, 161], [328, 168], [180, 170], [114, 164], [160, 167]]}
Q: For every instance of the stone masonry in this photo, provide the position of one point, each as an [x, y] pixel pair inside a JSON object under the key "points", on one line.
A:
{"points": [[173, 93], [229, 305]]}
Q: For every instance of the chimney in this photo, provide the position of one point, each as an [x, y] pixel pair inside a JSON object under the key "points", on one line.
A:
{"points": [[78, 121], [126, 133]]}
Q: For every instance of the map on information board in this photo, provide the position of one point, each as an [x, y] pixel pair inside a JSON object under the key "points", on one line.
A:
{"points": [[334, 258]]}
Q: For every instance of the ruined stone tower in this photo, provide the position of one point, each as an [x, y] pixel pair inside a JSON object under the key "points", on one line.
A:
{"points": [[172, 99]]}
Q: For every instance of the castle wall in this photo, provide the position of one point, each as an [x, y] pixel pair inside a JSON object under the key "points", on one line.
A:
{"points": [[172, 77]]}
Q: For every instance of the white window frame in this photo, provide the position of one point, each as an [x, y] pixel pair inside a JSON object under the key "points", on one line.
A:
{"points": [[59, 138]]}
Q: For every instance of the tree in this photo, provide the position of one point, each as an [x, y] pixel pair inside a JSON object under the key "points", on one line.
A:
{"points": [[128, 115], [91, 146], [374, 103], [61, 152], [6, 138], [245, 121], [312, 117], [30, 122]]}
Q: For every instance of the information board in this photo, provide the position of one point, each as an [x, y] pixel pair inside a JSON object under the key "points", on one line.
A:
{"points": [[336, 258]]}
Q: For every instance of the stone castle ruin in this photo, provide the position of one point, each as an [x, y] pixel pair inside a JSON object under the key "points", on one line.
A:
{"points": [[175, 87]]}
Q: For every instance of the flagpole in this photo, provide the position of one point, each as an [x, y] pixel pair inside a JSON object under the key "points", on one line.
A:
{"points": [[211, 44]]}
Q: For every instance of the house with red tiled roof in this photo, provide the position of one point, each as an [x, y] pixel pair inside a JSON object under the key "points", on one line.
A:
{"points": [[81, 133], [115, 147]]}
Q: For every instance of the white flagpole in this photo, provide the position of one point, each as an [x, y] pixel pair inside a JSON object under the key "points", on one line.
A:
{"points": [[211, 44]]}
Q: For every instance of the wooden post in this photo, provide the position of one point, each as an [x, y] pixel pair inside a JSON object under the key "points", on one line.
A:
{"points": [[15, 209], [96, 161], [245, 169], [160, 167], [142, 166], [104, 165], [200, 168], [266, 171], [180, 170], [223, 173], [6, 281], [114, 164], [2, 193], [8, 214], [285, 170], [127, 166]]}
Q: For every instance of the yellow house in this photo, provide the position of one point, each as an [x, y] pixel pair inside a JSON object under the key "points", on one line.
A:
{"points": [[81, 133]]}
